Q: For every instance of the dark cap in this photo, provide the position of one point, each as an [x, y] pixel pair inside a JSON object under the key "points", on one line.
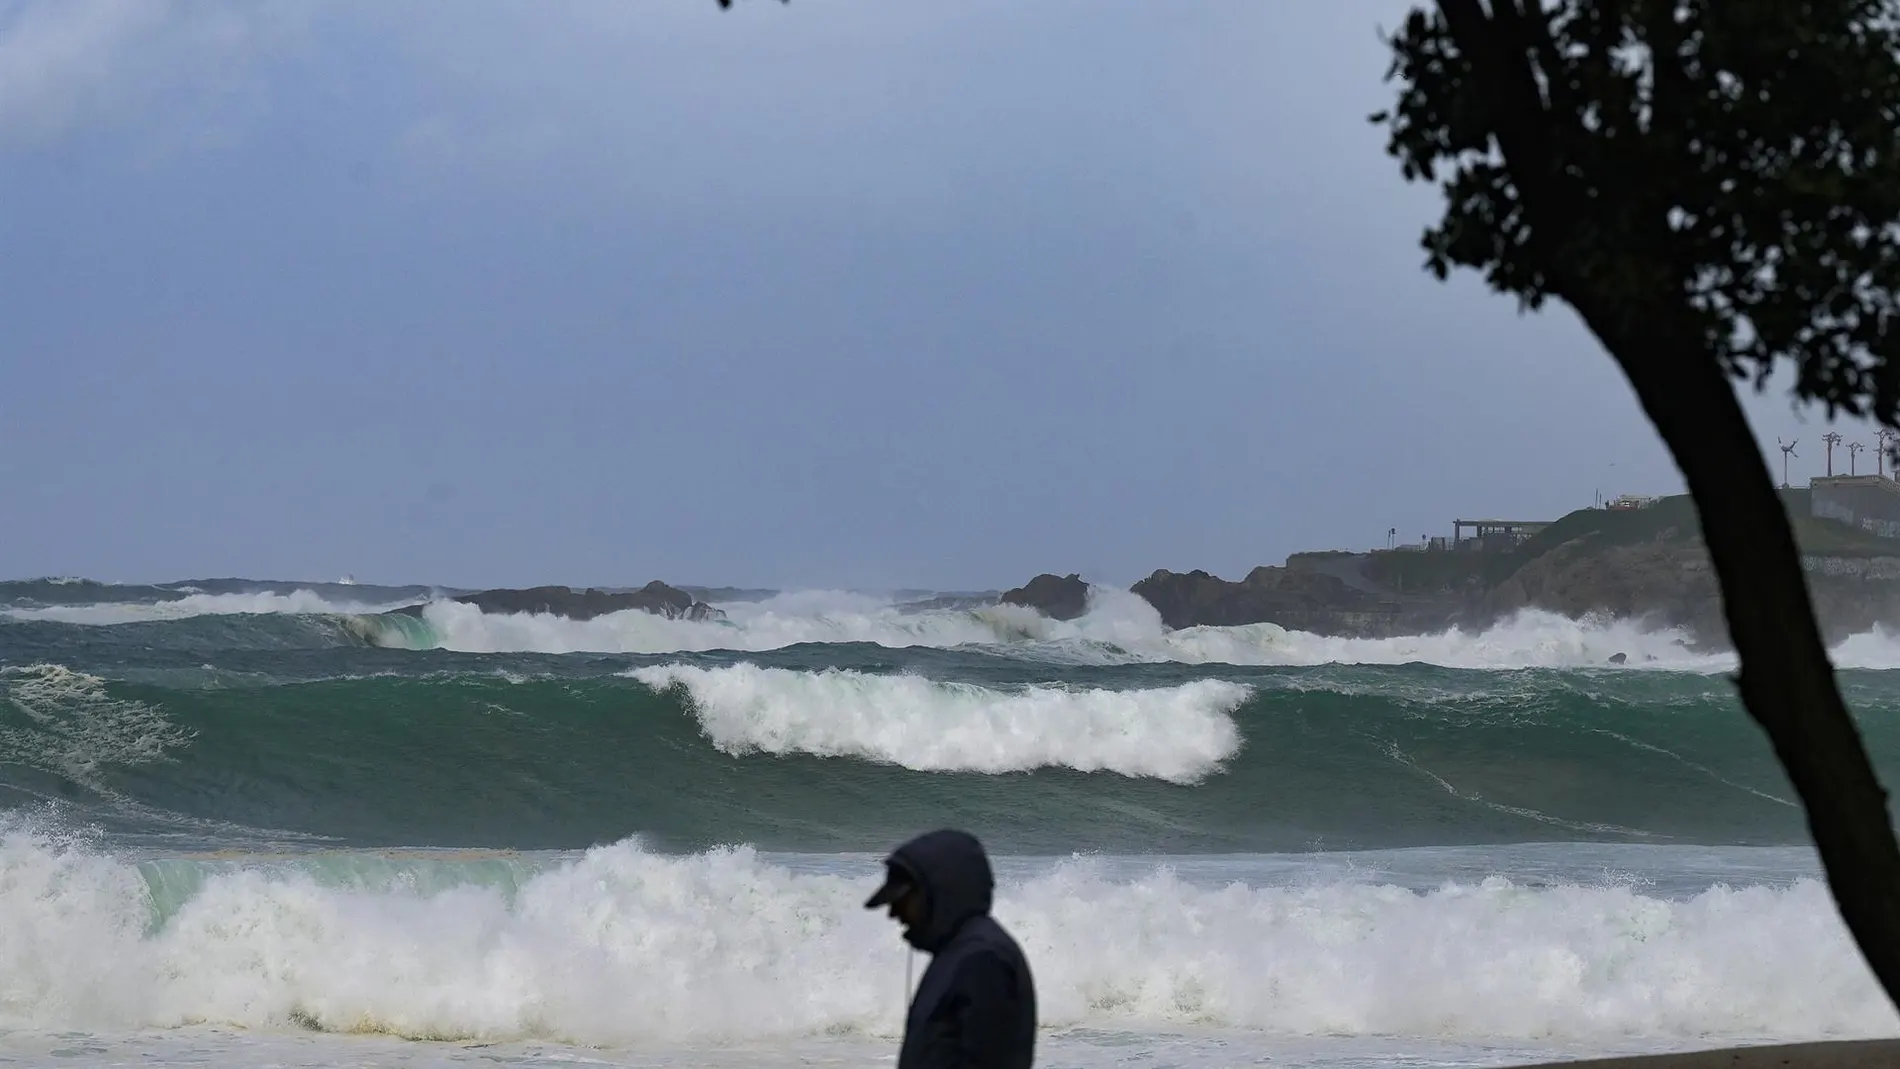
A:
{"points": [[896, 883]]}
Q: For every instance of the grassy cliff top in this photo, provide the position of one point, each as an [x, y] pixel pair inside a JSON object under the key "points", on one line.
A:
{"points": [[1668, 519], [1675, 517]]}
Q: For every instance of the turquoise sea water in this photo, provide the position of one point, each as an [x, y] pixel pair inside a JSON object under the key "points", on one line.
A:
{"points": [[266, 823]]}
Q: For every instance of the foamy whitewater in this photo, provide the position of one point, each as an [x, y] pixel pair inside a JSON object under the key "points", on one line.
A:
{"points": [[269, 823], [1173, 733]]}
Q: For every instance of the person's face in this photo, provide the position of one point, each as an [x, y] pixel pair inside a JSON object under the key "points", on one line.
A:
{"points": [[908, 908]]}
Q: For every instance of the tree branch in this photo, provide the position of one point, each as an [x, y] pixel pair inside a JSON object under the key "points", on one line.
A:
{"points": [[1521, 126]]}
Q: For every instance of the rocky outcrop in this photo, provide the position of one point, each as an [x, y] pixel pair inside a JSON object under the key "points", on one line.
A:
{"points": [[1669, 581], [1651, 567], [1200, 598], [1059, 597], [1321, 599], [1665, 581], [656, 597]]}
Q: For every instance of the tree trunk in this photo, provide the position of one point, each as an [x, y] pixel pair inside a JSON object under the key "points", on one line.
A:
{"points": [[1786, 680]]}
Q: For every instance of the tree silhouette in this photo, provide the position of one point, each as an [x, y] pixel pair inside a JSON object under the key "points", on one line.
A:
{"points": [[1713, 186]]}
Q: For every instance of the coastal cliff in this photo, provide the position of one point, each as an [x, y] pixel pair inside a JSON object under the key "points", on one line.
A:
{"points": [[1645, 564], [1652, 565]]}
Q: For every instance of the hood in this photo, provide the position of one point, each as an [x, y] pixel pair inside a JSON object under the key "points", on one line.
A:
{"points": [[954, 873]]}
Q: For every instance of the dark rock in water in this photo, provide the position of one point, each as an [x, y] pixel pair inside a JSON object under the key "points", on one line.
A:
{"points": [[1059, 597], [1619, 658], [1185, 599], [1323, 594], [655, 597], [1198, 598]]}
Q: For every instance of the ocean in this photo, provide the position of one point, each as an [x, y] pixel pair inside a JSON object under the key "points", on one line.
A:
{"points": [[253, 823]]}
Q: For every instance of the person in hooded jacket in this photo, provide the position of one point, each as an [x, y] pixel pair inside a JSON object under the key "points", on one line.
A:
{"points": [[975, 1007]]}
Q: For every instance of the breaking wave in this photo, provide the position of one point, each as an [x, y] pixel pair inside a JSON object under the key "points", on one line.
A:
{"points": [[1114, 758], [1179, 734], [1119, 628], [621, 945], [295, 602]]}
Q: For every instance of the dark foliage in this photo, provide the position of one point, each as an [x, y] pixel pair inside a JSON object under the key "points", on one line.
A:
{"points": [[1743, 155]]}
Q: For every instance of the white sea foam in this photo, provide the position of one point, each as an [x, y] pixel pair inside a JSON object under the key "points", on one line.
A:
{"points": [[107, 613], [624, 947], [68, 723], [1179, 733], [73, 726], [819, 617], [1878, 648], [1531, 639], [1120, 627]]}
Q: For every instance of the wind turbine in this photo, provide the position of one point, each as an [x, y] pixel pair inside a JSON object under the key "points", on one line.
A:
{"points": [[1787, 450]]}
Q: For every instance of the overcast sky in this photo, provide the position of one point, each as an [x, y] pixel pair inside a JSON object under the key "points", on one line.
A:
{"points": [[840, 293]]}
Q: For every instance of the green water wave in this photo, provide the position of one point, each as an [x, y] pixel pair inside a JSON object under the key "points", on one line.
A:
{"points": [[1332, 758]]}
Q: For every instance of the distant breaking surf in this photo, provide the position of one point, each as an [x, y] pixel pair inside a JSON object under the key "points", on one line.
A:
{"points": [[1119, 628]]}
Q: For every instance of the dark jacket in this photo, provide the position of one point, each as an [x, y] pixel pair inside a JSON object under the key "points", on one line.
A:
{"points": [[975, 1007]]}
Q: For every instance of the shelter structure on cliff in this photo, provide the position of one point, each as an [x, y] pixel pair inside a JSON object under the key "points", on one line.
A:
{"points": [[1493, 534]]}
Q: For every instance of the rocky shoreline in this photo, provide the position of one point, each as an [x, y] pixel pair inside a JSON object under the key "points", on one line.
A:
{"points": [[1646, 565]]}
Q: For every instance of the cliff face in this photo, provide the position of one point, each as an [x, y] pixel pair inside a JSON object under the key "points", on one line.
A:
{"points": [[1654, 565], [1649, 565], [1669, 581], [1673, 583]]}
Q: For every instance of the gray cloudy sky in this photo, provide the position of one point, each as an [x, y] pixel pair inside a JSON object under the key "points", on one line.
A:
{"points": [[837, 293]]}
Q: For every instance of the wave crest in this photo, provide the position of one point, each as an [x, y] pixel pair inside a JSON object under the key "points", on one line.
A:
{"points": [[1180, 734]]}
